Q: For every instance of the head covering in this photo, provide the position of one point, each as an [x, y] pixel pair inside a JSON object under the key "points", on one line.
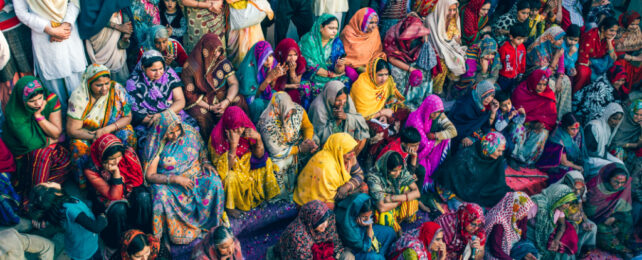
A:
{"points": [[602, 131], [232, 118], [419, 240], [251, 72], [472, 21], [547, 202], [602, 200], [449, 50], [491, 141], [627, 18], [486, 46], [399, 39], [630, 39], [95, 14], [281, 132], [512, 208], [202, 68], [360, 45], [454, 225], [81, 97], [312, 47], [281, 54], [616, 72], [481, 91], [156, 140], [153, 33], [207, 250], [347, 211], [380, 182], [538, 106], [299, 236], [523, 248], [129, 165], [22, 134], [629, 130], [541, 52], [427, 233], [152, 242], [470, 114], [571, 178], [52, 10], [370, 97]]}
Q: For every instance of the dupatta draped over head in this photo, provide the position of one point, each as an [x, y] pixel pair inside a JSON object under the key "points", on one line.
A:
{"points": [[473, 23], [314, 51], [251, 72], [602, 200], [629, 130], [547, 202], [419, 240], [454, 225], [602, 130], [541, 53], [129, 166], [360, 46], [449, 50], [368, 96], [281, 132], [347, 212], [281, 55], [207, 249], [208, 72], [398, 42], [630, 39], [128, 237], [471, 115], [512, 208], [539, 107], [232, 118]]}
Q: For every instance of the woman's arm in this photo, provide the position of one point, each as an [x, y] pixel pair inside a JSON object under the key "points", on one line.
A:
{"points": [[32, 20], [75, 130], [232, 88], [151, 173], [178, 100], [94, 226], [52, 126], [258, 151], [384, 206], [112, 190], [449, 131], [565, 162], [399, 64]]}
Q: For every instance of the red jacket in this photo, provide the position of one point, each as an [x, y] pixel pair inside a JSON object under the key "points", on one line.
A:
{"points": [[513, 61]]}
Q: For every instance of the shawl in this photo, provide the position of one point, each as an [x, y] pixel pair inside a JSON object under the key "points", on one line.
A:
{"points": [[454, 226], [570, 178], [154, 244], [574, 147], [472, 21], [359, 45], [470, 114], [22, 134], [602, 200], [629, 130], [540, 53], [281, 132], [52, 10], [380, 182], [574, 8], [95, 14], [129, 165], [420, 120], [424, 7], [399, 39], [591, 46], [206, 249], [232, 118], [602, 131], [539, 107], [630, 38], [312, 48], [7, 163], [299, 236], [476, 53], [418, 239], [251, 72], [323, 119], [479, 178], [352, 235], [97, 114], [547, 201], [201, 67], [156, 140], [281, 54], [512, 208], [449, 50], [369, 98], [102, 46]]}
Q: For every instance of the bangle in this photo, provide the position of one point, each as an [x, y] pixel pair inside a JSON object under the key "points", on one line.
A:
{"points": [[168, 179], [407, 197], [116, 124], [38, 119]]}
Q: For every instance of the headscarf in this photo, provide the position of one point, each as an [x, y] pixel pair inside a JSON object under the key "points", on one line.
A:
{"points": [[312, 47], [574, 147], [52, 10], [201, 68], [95, 14], [360, 46], [153, 33], [419, 240], [472, 21], [470, 115], [322, 116], [540, 53], [369, 97], [152, 242], [281, 133], [281, 55], [602, 131], [617, 72], [424, 7], [550, 199], [630, 39], [491, 141], [629, 130], [299, 236], [571, 178], [232, 118], [352, 235], [156, 140], [602, 200], [454, 225], [427, 233], [22, 134], [420, 120], [207, 250], [513, 207], [399, 38], [486, 46], [380, 182], [449, 50], [80, 104], [129, 166], [251, 72], [538, 106], [481, 91]]}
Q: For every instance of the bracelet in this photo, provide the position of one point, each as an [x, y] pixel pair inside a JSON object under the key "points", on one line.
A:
{"points": [[168, 178], [116, 124], [38, 119]]}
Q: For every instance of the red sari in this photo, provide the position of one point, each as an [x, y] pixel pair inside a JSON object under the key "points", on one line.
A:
{"points": [[538, 106], [591, 46]]}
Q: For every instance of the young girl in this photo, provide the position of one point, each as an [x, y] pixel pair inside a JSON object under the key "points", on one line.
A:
{"points": [[172, 18], [49, 203]]}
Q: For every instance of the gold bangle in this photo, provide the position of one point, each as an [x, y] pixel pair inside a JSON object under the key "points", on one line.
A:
{"points": [[117, 127]]}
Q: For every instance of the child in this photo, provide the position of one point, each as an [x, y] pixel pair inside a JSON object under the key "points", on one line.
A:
{"points": [[510, 122], [49, 203], [513, 57], [172, 18], [571, 48], [536, 23]]}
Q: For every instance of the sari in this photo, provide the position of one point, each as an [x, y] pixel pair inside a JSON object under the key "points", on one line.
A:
{"points": [[471, 117], [601, 131], [251, 180], [424, 7], [319, 56], [205, 79], [629, 41], [251, 75], [577, 215], [369, 97], [201, 22], [244, 23], [539, 107], [559, 143], [454, 226], [145, 15], [324, 121], [95, 115], [416, 243], [207, 250], [300, 95], [380, 183], [128, 237], [590, 102], [443, 37], [299, 239], [506, 214], [473, 23], [181, 214], [629, 132], [359, 45], [174, 49], [431, 152], [474, 56], [540, 53], [542, 230], [591, 47], [9, 200]]}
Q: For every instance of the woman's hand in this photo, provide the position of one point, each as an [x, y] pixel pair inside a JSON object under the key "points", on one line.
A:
{"points": [[308, 146], [342, 192], [277, 72], [38, 112], [209, 167], [530, 256], [100, 132], [339, 114], [340, 66], [587, 226], [183, 182], [126, 28], [59, 33], [215, 6], [484, 64], [494, 106], [251, 133], [234, 135], [291, 65], [554, 246], [466, 142], [219, 108], [113, 169]]}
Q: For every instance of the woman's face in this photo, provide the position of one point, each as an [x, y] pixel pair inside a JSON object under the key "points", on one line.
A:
{"points": [[142, 254], [489, 57], [615, 119], [269, 61], [216, 53], [292, 56], [452, 11], [610, 33], [36, 102], [473, 226], [541, 86], [173, 133], [114, 159], [579, 187], [395, 172], [617, 181], [155, 71], [348, 157], [374, 22], [617, 84], [498, 152], [523, 14], [170, 4], [483, 11], [634, 26], [437, 241], [573, 129], [488, 99], [637, 116], [364, 217], [100, 86], [161, 44], [340, 101], [226, 248], [558, 43], [330, 30], [434, 115], [322, 227], [382, 76]]}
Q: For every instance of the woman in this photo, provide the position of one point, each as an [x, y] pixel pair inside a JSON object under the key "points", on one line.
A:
{"points": [[359, 234], [464, 232], [187, 191], [288, 136], [287, 52], [609, 205], [475, 18], [565, 150], [482, 63], [472, 118], [553, 235], [506, 224], [312, 233], [20, 59], [324, 53], [375, 93], [628, 43], [446, 38], [203, 17], [116, 176], [424, 243], [424, 7], [257, 76], [586, 229], [245, 17], [210, 84], [106, 27], [361, 38], [32, 127], [625, 142], [436, 131], [333, 111], [145, 15], [518, 16], [408, 49], [331, 174], [157, 38], [394, 191], [97, 108], [480, 169], [599, 134], [153, 88], [596, 48], [137, 245], [538, 101], [219, 243], [591, 101]]}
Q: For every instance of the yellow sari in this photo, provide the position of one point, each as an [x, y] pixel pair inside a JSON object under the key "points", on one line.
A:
{"points": [[369, 98]]}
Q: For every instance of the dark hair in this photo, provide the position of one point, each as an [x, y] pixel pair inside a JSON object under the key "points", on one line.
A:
{"points": [[535, 4], [521, 5], [326, 22], [220, 234], [608, 23], [137, 244], [502, 96], [394, 161], [573, 31], [382, 64], [113, 150], [176, 23], [341, 92], [616, 113], [568, 119], [103, 76], [367, 206], [46, 204], [40, 91], [410, 135], [148, 62], [325, 217], [518, 30]]}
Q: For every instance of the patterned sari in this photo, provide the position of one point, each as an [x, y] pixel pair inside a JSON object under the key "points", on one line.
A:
{"points": [[146, 15], [201, 22], [369, 97], [251, 74], [472, 22]]}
